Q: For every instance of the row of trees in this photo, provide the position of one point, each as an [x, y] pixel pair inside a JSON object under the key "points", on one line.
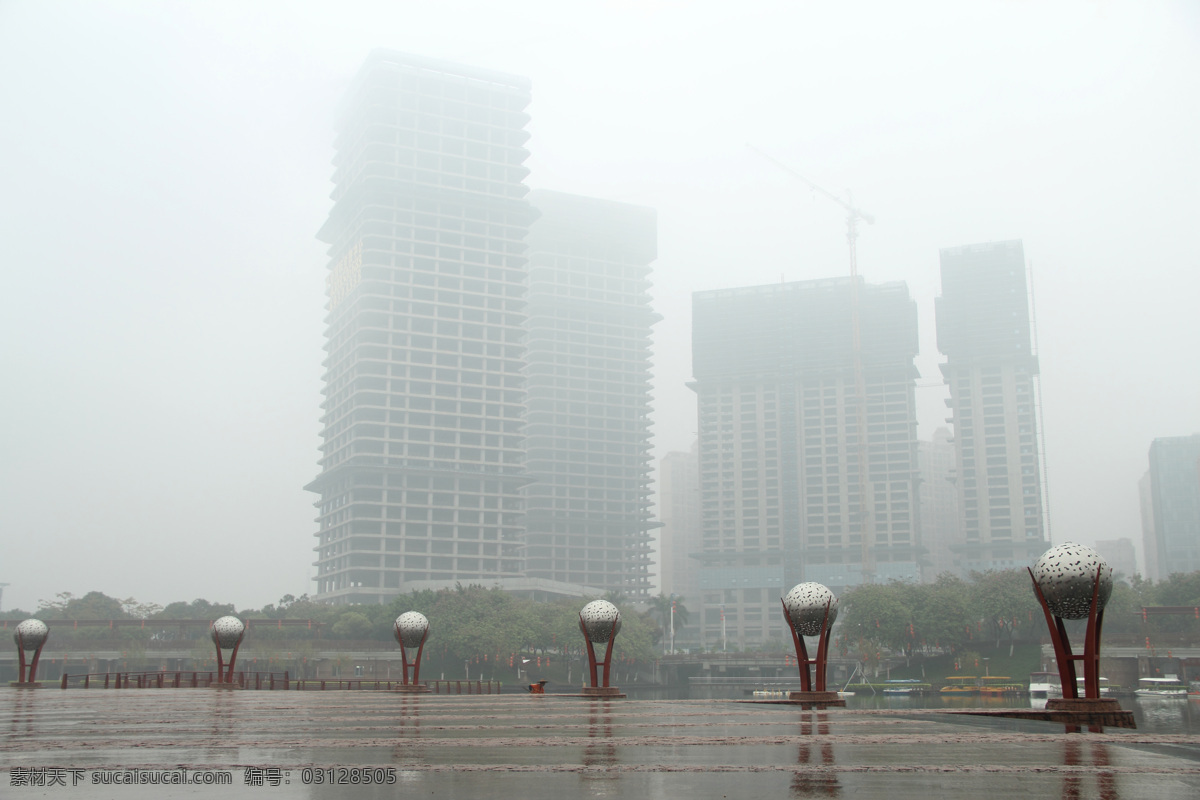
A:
{"points": [[995, 607], [467, 624], [947, 616]]}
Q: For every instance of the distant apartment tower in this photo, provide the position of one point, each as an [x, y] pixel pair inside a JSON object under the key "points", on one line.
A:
{"points": [[1120, 555], [679, 512], [984, 331], [588, 382], [939, 504], [1175, 499], [780, 451], [1149, 536], [422, 425]]}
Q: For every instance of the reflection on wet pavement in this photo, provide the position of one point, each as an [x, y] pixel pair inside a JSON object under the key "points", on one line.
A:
{"points": [[556, 747], [809, 782], [1076, 753], [600, 754]]}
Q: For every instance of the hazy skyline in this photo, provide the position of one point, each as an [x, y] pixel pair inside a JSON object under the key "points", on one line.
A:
{"points": [[167, 167]]}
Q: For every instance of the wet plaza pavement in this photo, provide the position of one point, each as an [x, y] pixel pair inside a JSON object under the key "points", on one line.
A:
{"points": [[372, 744]]}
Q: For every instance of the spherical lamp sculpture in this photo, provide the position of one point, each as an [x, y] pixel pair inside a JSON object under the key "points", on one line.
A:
{"points": [[31, 634], [411, 630], [600, 622], [227, 634], [1072, 581], [810, 610], [1066, 575]]}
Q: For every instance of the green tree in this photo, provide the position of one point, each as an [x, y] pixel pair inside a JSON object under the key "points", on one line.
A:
{"points": [[93, 605], [873, 618], [140, 610], [876, 615], [1180, 589], [944, 618], [15, 613], [1005, 601], [1123, 612], [660, 610], [352, 625], [197, 609]]}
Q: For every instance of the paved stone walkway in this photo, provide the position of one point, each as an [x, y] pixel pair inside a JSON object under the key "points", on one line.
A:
{"points": [[280, 744]]}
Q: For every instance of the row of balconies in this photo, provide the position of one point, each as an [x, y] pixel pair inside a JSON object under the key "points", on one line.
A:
{"points": [[378, 124]]}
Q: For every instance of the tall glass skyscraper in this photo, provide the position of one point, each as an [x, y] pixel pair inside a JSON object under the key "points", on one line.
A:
{"points": [[422, 460], [1175, 503]]}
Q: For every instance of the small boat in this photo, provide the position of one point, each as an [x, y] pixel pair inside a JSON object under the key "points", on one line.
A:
{"points": [[903, 686], [1105, 688], [998, 686], [1044, 685], [856, 671], [1166, 686], [960, 686]]}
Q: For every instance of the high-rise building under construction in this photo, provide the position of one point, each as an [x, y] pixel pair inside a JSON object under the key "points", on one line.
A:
{"points": [[422, 461], [783, 498], [588, 428], [983, 329], [487, 384]]}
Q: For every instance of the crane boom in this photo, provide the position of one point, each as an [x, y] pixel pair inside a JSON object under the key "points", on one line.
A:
{"points": [[851, 209], [866, 492]]}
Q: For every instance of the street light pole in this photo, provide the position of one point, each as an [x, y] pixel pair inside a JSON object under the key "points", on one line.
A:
{"points": [[722, 627]]}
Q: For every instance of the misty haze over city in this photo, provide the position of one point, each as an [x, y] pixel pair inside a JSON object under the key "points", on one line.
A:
{"points": [[167, 167]]}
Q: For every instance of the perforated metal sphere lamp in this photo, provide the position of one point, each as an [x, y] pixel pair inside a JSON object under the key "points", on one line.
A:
{"points": [[30, 634], [810, 610], [227, 634], [600, 622], [1072, 581], [411, 630]]}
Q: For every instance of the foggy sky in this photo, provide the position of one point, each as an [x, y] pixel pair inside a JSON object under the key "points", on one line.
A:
{"points": [[164, 169]]}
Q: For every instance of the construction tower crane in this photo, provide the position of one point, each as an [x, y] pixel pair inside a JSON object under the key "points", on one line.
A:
{"points": [[853, 212], [866, 492]]}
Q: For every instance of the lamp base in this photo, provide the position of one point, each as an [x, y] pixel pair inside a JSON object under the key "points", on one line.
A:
{"points": [[817, 698], [411, 688], [601, 691], [1083, 705]]}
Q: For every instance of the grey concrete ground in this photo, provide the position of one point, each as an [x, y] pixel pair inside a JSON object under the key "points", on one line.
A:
{"points": [[518, 746]]}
